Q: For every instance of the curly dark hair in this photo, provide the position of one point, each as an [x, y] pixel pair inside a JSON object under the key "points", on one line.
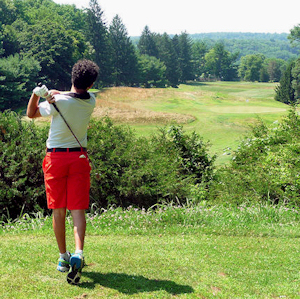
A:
{"points": [[84, 73]]}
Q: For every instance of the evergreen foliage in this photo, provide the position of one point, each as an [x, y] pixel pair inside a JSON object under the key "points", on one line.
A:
{"points": [[125, 63], [152, 72], [17, 76], [147, 44], [296, 79], [168, 56], [285, 92], [21, 177], [98, 37]]}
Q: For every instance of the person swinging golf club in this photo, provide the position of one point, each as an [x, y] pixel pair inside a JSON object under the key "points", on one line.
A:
{"points": [[66, 166]]}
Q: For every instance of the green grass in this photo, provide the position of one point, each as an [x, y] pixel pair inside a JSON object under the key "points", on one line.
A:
{"points": [[170, 252], [223, 111]]}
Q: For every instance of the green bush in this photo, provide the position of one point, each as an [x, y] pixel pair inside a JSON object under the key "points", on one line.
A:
{"points": [[126, 170], [265, 167], [22, 147], [143, 172]]}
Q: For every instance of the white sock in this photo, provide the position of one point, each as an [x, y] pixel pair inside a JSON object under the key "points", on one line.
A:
{"points": [[79, 252], [64, 256]]}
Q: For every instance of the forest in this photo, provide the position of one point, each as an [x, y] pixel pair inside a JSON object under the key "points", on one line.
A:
{"points": [[41, 40]]}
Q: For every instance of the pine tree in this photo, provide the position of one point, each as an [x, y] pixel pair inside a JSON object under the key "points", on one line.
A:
{"points": [[97, 35], [296, 79], [185, 57], [125, 65], [285, 92], [167, 54], [147, 44]]}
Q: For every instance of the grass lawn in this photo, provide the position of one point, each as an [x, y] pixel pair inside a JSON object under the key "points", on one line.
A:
{"points": [[220, 112], [173, 252]]}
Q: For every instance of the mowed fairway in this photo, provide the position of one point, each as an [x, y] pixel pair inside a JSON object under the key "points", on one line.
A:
{"points": [[220, 112]]}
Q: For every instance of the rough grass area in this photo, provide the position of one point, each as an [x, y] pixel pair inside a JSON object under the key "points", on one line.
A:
{"points": [[126, 105]]}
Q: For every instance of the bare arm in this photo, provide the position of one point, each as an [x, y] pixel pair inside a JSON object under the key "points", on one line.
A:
{"points": [[33, 104], [33, 107]]}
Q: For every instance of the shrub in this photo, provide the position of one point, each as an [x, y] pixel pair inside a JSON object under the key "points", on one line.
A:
{"points": [[126, 170], [143, 172], [21, 179], [265, 167]]}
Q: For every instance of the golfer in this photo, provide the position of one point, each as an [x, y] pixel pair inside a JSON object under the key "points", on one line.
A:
{"points": [[66, 166]]}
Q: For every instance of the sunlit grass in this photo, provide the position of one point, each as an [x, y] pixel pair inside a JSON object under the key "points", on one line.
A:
{"points": [[164, 252]]}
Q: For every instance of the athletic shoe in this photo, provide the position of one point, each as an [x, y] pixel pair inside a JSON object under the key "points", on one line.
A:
{"points": [[64, 265], [76, 263]]}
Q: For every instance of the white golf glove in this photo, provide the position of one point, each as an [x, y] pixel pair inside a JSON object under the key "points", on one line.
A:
{"points": [[41, 91]]}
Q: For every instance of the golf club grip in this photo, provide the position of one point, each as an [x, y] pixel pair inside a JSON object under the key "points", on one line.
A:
{"points": [[40, 85]]}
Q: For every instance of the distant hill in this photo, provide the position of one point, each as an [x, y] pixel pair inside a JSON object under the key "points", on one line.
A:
{"points": [[272, 45], [240, 35]]}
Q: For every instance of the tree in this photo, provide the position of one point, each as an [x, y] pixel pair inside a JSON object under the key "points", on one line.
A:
{"points": [[147, 44], [296, 79], [152, 72], [184, 54], [17, 80], [7, 17], [275, 68], [125, 65], [285, 91], [294, 35], [250, 67], [7, 12], [220, 63], [10, 40], [199, 49], [97, 35], [168, 55], [49, 44]]}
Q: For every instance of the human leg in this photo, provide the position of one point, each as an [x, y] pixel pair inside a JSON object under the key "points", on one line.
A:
{"points": [[79, 223], [77, 259], [59, 227], [77, 203]]}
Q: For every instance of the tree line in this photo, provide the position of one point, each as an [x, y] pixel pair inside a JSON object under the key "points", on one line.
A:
{"points": [[271, 45], [288, 90], [41, 40]]}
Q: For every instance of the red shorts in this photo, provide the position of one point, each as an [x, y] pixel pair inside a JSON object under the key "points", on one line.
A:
{"points": [[67, 180]]}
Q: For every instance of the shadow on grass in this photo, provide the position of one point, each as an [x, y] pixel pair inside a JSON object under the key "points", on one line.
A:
{"points": [[196, 83], [133, 284]]}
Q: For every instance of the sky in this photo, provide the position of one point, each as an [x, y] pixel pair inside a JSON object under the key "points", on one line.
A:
{"points": [[200, 16]]}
